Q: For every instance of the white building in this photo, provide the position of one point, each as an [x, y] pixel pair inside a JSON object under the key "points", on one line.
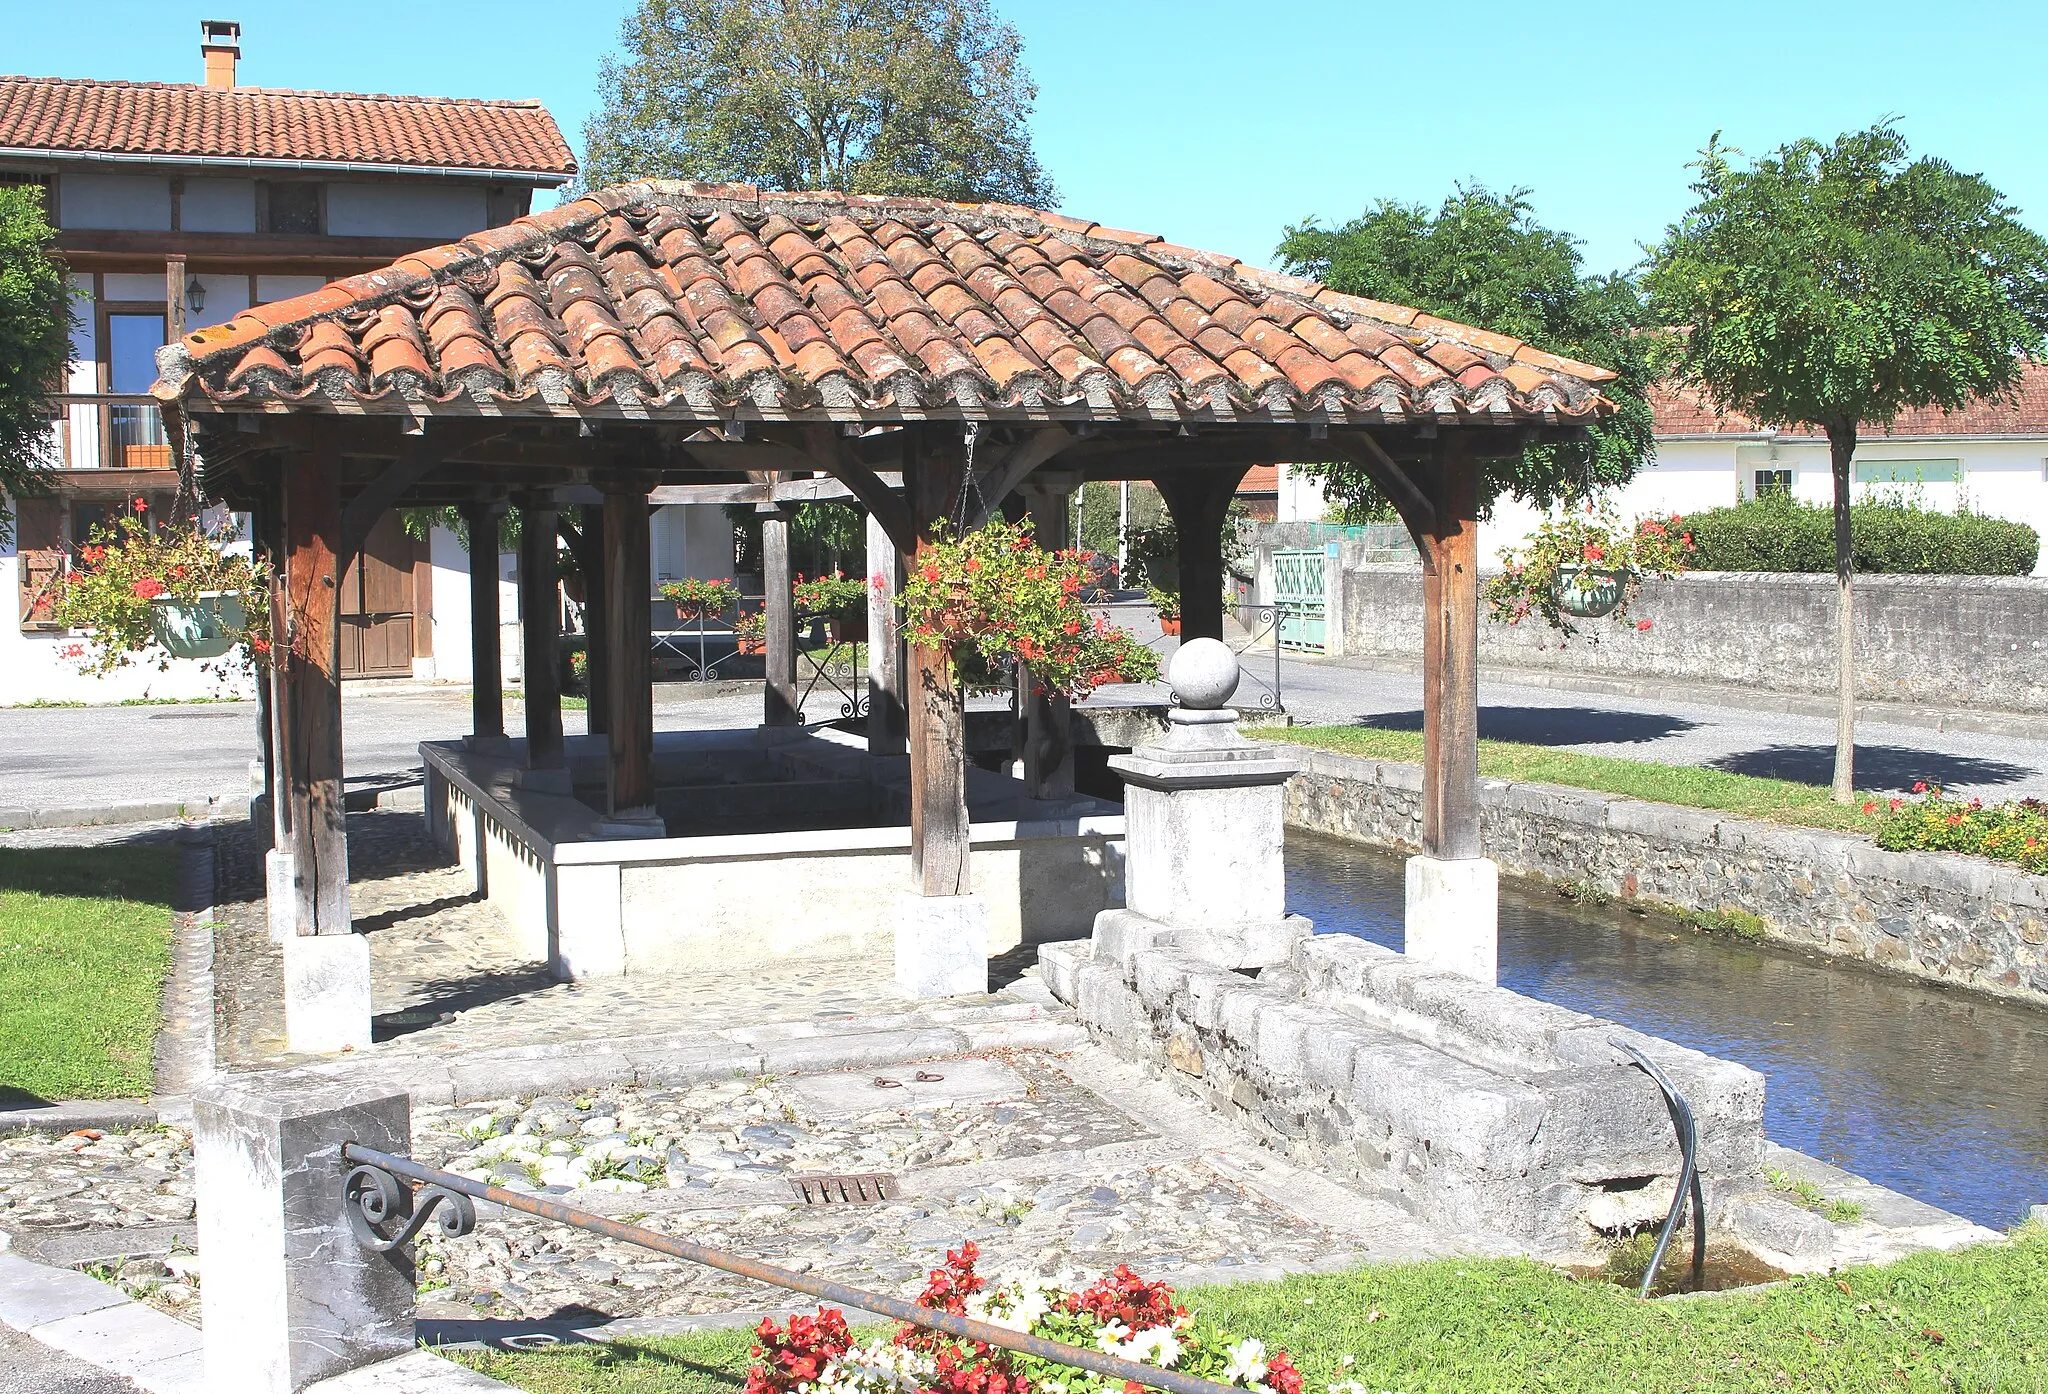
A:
{"points": [[1992, 456], [179, 206]]}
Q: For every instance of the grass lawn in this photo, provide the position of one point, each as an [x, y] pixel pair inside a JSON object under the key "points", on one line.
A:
{"points": [[1775, 800], [85, 935], [1975, 1320]]}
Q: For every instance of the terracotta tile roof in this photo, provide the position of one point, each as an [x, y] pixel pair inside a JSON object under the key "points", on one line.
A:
{"points": [[695, 300], [1261, 479], [1686, 413], [177, 120]]}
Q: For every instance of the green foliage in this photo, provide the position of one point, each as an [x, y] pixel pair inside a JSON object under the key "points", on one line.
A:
{"points": [[35, 342], [834, 597], [2009, 832], [1166, 602], [420, 522], [84, 944], [1737, 924], [1482, 259], [1810, 1196], [1776, 533], [920, 97], [1838, 284], [1152, 550]]}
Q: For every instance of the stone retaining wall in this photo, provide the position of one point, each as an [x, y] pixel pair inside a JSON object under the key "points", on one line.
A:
{"points": [[1974, 642], [1967, 921]]}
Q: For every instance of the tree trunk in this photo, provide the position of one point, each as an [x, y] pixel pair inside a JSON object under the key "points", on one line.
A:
{"points": [[1842, 449]]}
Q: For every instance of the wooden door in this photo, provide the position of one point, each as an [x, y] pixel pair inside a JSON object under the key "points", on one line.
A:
{"points": [[377, 605]]}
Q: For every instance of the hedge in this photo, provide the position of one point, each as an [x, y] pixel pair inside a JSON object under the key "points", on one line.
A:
{"points": [[1774, 533]]}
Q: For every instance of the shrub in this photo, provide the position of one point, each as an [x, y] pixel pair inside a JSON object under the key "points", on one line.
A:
{"points": [[2008, 832], [1776, 533]]}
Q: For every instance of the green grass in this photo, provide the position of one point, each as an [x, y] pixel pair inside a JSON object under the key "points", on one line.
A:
{"points": [[1973, 1320], [85, 938], [1774, 800]]}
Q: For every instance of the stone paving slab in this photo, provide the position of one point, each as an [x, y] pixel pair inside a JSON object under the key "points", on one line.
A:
{"points": [[850, 1094], [415, 1372]]}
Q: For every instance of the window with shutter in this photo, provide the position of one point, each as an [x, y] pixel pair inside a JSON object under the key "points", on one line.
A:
{"points": [[39, 539]]}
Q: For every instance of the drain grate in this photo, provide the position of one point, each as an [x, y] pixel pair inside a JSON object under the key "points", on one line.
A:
{"points": [[869, 1189]]}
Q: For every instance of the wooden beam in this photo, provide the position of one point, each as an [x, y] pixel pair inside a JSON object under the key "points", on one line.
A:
{"points": [[540, 625], [1003, 478], [629, 781], [586, 542], [1409, 501], [486, 667], [1450, 658], [934, 465], [1200, 503], [828, 450], [313, 571], [384, 492], [778, 615]]}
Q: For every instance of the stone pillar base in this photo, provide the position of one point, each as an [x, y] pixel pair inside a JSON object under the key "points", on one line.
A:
{"points": [[278, 893], [293, 1298], [1454, 916], [326, 992], [942, 945], [1256, 944], [633, 822]]}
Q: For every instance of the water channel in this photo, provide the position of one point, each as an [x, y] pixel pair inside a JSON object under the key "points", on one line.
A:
{"points": [[1935, 1093]]}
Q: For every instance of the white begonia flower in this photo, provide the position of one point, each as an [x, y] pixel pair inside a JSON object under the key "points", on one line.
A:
{"points": [[1247, 1362], [1156, 1344], [1110, 1337]]}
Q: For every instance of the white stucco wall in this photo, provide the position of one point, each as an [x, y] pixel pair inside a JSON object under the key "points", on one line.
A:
{"points": [[692, 539], [405, 210], [123, 202]]}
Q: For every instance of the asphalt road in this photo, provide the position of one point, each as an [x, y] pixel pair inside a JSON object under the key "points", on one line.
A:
{"points": [[71, 756], [27, 1366]]}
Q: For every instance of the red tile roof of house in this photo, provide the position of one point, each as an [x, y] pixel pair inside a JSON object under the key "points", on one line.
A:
{"points": [[1261, 479], [2025, 413], [180, 121], [696, 299]]}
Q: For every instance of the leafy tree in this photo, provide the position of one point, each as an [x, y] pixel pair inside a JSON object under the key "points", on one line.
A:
{"points": [[1836, 285], [35, 344], [924, 97], [1483, 259]]}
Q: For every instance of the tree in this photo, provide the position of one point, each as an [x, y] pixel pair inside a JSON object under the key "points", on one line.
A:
{"points": [[1483, 259], [1836, 285], [35, 344], [915, 97]]}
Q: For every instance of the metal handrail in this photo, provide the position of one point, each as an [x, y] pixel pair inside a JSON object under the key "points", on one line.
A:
{"points": [[371, 1198], [1688, 1175]]}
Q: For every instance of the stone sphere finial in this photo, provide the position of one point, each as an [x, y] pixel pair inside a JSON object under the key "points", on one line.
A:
{"points": [[1203, 674]]}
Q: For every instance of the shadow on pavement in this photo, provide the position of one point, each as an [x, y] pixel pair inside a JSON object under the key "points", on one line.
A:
{"points": [[435, 999], [1551, 725], [1878, 767]]}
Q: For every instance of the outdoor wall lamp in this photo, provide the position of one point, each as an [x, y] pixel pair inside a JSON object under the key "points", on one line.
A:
{"points": [[195, 296]]}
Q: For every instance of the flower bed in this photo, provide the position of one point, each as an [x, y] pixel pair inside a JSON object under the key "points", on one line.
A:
{"points": [[1120, 1314], [995, 595], [2008, 832]]}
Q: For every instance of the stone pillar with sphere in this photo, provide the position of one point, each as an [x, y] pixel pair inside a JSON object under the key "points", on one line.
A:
{"points": [[1203, 829]]}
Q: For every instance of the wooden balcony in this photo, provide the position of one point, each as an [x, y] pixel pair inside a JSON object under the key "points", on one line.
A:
{"points": [[110, 430]]}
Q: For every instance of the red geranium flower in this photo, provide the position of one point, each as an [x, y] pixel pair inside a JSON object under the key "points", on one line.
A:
{"points": [[149, 588]]}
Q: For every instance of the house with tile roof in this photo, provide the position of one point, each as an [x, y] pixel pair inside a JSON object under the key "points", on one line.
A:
{"points": [[1992, 456], [179, 206]]}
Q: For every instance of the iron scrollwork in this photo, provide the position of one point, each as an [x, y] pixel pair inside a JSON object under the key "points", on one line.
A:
{"points": [[374, 1200]]}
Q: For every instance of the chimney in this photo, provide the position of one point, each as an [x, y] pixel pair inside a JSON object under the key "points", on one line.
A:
{"points": [[220, 43]]}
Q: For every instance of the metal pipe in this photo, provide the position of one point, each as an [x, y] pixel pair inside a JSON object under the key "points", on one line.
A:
{"points": [[1688, 1175], [964, 1327]]}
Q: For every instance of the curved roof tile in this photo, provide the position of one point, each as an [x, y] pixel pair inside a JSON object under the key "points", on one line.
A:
{"points": [[643, 292]]}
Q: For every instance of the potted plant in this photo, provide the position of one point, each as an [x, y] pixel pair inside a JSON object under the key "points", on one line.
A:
{"points": [[1167, 603], [153, 594], [1585, 565], [842, 602], [696, 598], [995, 595], [750, 632]]}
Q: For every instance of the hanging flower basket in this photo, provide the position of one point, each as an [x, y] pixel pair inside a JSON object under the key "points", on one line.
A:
{"points": [[1590, 593], [697, 599], [206, 626]]}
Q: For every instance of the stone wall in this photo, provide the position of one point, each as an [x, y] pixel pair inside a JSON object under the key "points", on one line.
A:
{"points": [[1961, 920], [1948, 641]]}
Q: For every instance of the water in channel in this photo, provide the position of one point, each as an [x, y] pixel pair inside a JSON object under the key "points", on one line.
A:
{"points": [[1935, 1093]]}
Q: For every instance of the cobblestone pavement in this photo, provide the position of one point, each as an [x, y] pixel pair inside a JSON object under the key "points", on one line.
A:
{"points": [[1071, 1163]]}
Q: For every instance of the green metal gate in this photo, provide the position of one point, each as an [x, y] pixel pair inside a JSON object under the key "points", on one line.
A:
{"points": [[1298, 598]]}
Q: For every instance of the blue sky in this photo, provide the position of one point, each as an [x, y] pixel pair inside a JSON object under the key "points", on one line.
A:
{"points": [[1217, 124]]}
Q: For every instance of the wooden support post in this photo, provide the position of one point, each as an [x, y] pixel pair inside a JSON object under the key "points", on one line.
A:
{"points": [[540, 622], [887, 720], [934, 460], [263, 520], [1048, 717], [778, 693], [1199, 500], [1450, 657], [597, 667], [313, 567], [486, 674], [629, 783]]}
